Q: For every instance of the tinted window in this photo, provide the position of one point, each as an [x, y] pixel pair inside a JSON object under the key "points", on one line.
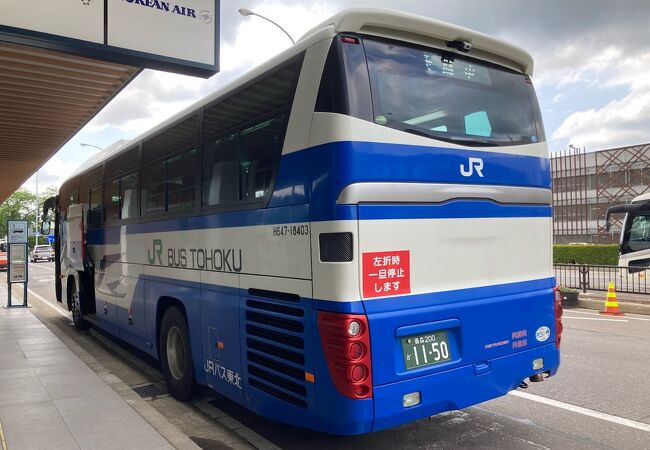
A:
{"points": [[179, 136], [153, 188], [112, 199], [95, 207], [120, 197], [273, 93], [220, 171], [260, 149], [451, 97], [344, 86], [181, 181], [129, 196], [123, 163]]}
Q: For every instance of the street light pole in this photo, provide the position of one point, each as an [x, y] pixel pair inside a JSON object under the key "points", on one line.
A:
{"points": [[37, 228], [247, 12]]}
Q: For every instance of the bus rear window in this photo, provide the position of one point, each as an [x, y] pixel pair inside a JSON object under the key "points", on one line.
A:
{"points": [[450, 97]]}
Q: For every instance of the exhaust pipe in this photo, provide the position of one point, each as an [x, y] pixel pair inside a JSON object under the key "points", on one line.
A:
{"points": [[537, 378]]}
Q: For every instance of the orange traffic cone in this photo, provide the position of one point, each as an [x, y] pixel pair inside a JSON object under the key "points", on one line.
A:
{"points": [[611, 304]]}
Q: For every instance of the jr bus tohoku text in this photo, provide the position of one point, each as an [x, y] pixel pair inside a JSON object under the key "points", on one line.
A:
{"points": [[354, 235]]}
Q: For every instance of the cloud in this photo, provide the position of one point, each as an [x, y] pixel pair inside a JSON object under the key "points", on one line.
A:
{"points": [[619, 123], [154, 96], [53, 173]]}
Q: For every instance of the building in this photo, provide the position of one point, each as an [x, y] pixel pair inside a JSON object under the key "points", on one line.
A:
{"points": [[585, 184]]}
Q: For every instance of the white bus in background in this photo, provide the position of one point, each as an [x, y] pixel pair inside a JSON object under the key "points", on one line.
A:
{"points": [[634, 250]]}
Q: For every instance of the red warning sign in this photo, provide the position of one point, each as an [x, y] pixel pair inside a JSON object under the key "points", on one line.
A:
{"points": [[386, 273]]}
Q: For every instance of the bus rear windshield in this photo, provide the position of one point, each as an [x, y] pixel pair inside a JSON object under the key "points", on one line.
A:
{"points": [[449, 97]]}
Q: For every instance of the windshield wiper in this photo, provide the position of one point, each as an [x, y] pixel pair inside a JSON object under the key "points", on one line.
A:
{"points": [[454, 139]]}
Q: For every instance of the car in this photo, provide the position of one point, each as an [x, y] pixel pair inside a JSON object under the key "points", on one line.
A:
{"points": [[42, 252], [3, 255]]}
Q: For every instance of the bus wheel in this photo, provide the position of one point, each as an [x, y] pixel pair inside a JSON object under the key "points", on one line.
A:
{"points": [[75, 308], [176, 354]]}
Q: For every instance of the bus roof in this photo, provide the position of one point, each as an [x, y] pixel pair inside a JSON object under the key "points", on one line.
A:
{"points": [[372, 21], [423, 30]]}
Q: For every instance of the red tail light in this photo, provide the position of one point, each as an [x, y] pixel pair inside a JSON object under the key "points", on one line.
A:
{"points": [[558, 315], [346, 343]]}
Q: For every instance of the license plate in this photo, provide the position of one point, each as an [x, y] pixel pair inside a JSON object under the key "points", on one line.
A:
{"points": [[425, 349]]}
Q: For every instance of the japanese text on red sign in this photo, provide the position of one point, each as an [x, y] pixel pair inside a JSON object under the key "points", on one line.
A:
{"points": [[386, 273]]}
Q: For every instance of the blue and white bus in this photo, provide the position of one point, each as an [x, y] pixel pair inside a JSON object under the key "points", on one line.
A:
{"points": [[354, 235]]}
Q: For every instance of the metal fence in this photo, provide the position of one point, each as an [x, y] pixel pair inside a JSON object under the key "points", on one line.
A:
{"points": [[597, 278]]}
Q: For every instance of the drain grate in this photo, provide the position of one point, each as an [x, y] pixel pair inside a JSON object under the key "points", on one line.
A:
{"points": [[148, 390]]}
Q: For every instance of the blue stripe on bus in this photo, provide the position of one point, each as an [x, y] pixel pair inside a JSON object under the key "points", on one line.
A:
{"points": [[318, 174], [461, 209], [309, 182]]}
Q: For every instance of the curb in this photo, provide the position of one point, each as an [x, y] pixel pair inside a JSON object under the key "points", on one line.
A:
{"points": [[588, 301]]}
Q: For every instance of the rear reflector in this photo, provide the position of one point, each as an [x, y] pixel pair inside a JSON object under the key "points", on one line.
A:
{"points": [[346, 345], [558, 315]]}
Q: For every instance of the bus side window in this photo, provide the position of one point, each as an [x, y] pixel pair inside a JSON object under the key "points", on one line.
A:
{"points": [[153, 189], [260, 150], [95, 207], [181, 181], [112, 200], [129, 196], [220, 171]]}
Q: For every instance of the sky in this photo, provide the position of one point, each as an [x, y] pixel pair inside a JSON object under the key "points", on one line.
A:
{"points": [[592, 67]]}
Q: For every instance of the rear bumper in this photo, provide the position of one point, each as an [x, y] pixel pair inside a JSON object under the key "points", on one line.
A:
{"points": [[458, 388]]}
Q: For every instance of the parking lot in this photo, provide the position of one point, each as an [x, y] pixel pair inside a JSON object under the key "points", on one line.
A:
{"points": [[599, 398]]}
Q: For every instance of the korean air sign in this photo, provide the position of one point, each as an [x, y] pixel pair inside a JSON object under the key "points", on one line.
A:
{"points": [[205, 14], [175, 35]]}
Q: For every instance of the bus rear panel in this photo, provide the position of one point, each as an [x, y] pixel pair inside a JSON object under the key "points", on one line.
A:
{"points": [[439, 250]]}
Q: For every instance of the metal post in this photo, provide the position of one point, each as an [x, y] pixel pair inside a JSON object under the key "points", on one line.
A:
{"points": [[583, 281], [8, 283]]}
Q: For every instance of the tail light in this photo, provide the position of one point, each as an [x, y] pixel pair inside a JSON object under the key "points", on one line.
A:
{"points": [[346, 344], [558, 316]]}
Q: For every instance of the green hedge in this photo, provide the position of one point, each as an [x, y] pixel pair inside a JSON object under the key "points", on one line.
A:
{"points": [[606, 255]]}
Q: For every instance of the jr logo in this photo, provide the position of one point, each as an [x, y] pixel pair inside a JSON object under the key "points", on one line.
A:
{"points": [[473, 164], [157, 251]]}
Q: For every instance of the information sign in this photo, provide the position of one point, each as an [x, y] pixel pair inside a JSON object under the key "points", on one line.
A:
{"points": [[17, 272], [17, 232]]}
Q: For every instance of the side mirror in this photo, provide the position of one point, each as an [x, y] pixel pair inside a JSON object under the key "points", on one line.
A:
{"points": [[45, 227], [48, 205]]}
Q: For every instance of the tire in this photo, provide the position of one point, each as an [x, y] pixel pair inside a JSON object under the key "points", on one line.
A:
{"points": [[75, 308], [176, 354]]}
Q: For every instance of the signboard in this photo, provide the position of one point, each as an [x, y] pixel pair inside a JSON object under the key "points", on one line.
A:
{"points": [[17, 263], [17, 231], [386, 273], [178, 35], [187, 25], [17, 258]]}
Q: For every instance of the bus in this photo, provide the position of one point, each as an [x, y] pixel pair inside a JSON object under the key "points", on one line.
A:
{"points": [[354, 235], [634, 249]]}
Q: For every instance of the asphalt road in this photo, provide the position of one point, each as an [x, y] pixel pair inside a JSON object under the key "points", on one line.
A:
{"points": [[599, 399]]}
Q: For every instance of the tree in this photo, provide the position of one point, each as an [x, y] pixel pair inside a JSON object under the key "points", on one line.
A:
{"points": [[22, 205]]}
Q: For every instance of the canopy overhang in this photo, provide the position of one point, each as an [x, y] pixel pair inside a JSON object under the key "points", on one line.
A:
{"points": [[45, 98]]}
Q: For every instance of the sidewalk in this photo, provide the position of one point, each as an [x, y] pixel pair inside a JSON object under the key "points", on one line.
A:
{"points": [[50, 399]]}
